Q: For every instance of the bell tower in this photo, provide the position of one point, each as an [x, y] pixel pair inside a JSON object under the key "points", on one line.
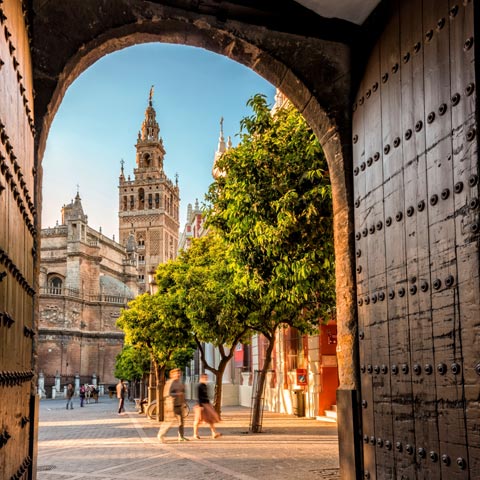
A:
{"points": [[149, 203]]}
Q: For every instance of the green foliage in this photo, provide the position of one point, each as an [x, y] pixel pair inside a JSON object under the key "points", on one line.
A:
{"points": [[156, 322], [213, 305], [273, 207], [132, 363]]}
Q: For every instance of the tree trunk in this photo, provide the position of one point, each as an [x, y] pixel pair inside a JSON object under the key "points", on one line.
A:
{"points": [[217, 399], [256, 425], [160, 383]]}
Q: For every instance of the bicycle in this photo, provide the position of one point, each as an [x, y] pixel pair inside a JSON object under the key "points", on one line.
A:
{"points": [[152, 410]]}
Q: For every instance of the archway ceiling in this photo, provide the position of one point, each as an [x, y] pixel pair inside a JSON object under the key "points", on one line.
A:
{"points": [[355, 11], [306, 41]]}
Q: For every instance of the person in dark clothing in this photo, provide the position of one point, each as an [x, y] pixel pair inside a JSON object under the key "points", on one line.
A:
{"points": [[174, 401], [82, 395], [204, 412]]}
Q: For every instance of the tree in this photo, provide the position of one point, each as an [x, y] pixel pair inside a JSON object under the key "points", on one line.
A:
{"points": [[214, 307], [156, 322], [133, 364], [272, 205]]}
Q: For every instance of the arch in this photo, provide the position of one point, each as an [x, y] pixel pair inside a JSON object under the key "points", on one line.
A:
{"points": [[284, 58], [146, 161], [54, 284], [141, 199]]}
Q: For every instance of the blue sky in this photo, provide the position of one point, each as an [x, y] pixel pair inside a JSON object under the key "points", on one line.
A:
{"points": [[97, 124]]}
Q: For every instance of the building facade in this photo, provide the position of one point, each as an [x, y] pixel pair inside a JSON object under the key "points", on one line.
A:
{"points": [[194, 227], [149, 203], [85, 280]]}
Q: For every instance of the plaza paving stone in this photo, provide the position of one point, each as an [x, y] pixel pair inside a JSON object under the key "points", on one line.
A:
{"points": [[96, 443]]}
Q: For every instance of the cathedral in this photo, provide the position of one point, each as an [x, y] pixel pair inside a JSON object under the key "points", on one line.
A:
{"points": [[87, 278]]}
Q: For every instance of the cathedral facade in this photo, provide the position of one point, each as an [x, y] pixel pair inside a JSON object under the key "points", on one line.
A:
{"points": [[149, 203], [85, 280]]}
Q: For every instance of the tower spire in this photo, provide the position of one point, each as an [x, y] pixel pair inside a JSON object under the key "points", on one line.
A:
{"points": [[122, 173], [221, 149], [150, 130], [221, 141]]}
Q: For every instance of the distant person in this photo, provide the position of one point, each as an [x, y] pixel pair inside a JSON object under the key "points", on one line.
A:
{"points": [[121, 392], [174, 401], [204, 412], [70, 394], [88, 393], [95, 393], [82, 395]]}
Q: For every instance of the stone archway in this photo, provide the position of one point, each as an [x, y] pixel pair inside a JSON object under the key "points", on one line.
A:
{"points": [[313, 73]]}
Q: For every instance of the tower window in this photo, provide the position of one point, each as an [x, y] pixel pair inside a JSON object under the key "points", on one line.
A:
{"points": [[55, 286]]}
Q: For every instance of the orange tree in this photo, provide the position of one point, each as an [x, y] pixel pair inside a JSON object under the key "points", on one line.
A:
{"points": [[272, 205], [215, 308], [157, 323]]}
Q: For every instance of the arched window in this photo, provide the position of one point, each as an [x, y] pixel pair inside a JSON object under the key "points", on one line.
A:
{"points": [[141, 199], [55, 285]]}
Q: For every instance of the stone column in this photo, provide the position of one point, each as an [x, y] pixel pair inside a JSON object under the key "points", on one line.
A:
{"points": [[57, 382], [210, 357], [41, 385]]}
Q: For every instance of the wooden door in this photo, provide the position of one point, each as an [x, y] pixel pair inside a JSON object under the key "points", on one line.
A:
{"points": [[17, 246], [417, 236]]}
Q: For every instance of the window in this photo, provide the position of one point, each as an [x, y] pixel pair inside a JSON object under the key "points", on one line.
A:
{"points": [[295, 349], [55, 286]]}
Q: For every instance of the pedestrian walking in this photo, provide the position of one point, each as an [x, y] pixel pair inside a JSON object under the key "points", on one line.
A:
{"points": [[82, 395], [121, 392], [70, 394], [204, 411], [174, 401]]}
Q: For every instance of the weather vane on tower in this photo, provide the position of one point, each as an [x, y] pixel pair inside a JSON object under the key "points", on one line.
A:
{"points": [[150, 95]]}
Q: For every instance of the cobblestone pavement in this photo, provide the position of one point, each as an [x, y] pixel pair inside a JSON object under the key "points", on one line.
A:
{"points": [[96, 443]]}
